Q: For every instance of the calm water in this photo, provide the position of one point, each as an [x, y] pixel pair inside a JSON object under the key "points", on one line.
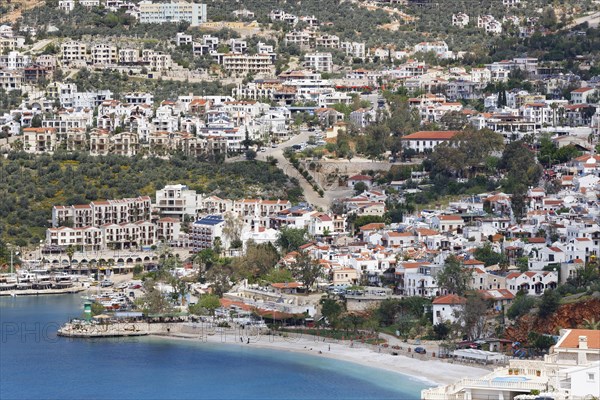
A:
{"points": [[36, 364]]}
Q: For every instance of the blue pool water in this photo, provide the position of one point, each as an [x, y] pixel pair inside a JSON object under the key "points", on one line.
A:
{"points": [[510, 379], [36, 364]]}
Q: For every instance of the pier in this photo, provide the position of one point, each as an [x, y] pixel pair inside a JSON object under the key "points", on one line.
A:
{"points": [[40, 292]]}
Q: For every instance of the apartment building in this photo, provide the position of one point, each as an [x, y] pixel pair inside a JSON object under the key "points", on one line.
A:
{"points": [[11, 80], [204, 232], [440, 48], [282, 16], [319, 62], [73, 51], [177, 201], [39, 140], [14, 60], [116, 236], [242, 64], [156, 60], [300, 38], [329, 41], [176, 11], [354, 49], [99, 213], [10, 42], [104, 54], [129, 56]]}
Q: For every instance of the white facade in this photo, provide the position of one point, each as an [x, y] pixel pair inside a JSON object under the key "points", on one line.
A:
{"points": [[320, 62], [159, 13]]}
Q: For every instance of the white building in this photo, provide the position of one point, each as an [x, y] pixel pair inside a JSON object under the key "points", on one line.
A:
{"points": [[320, 62], [530, 282], [446, 308], [204, 232], [159, 13], [177, 201], [461, 20], [426, 140]]}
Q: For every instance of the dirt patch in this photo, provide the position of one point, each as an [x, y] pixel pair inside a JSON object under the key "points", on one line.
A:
{"points": [[18, 6]]}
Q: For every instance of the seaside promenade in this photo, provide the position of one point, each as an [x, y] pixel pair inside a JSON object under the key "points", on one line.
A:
{"points": [[431, 370]]}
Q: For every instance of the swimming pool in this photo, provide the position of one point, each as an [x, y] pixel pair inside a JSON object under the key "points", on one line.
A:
{"points": [[510, 379]]}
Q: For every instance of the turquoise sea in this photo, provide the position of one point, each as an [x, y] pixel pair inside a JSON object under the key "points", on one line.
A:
{"points": [[36, 364]]}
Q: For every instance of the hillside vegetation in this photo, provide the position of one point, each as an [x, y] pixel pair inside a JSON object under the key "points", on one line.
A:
{"points": [[31, 185]]}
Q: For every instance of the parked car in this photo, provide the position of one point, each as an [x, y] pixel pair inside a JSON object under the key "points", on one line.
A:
{"points": [[420, 350]]}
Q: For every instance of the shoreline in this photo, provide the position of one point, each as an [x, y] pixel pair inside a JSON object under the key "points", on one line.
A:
{"points": [[430, 372], [41, 292]]}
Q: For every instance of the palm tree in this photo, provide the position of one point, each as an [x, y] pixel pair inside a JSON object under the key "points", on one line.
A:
{"points": [[591, 323]]}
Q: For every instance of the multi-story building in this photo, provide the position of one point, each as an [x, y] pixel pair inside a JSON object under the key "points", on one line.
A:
{"points": [[39, 140], [204, 232], [489, 24], [280, 15], [440, 48], [14, 60], [100, 213], [159, 13], [177, 201], [533, 283], [73, 51], [104, 54], [129, 56], [354, 49], [329, 41], [461, 20], [11, 80], [157, 61], [320, 62], [242, 64], [300, 38]]}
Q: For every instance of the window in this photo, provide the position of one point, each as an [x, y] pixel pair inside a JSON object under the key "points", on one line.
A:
{"points": [[591, 377]]}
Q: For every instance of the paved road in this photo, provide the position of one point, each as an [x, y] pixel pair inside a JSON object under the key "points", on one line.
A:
{"points": [[593, 20], [310, 195]]}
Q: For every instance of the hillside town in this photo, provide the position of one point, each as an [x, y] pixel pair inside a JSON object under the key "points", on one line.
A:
{"points": [[444, 207]]}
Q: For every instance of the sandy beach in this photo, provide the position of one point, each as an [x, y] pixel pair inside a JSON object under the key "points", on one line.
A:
{"points": [[433, 372]]}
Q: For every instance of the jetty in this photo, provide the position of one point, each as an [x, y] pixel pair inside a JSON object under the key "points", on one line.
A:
{"points": [[39, 292]]}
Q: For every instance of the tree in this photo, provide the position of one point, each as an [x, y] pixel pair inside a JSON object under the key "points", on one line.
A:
{"points": [[210, 302], [250, 154], [331, 309], [472, 318], [441, 330], [549, 303], [454, 120], [154, 301], [521, 305], [36, 121], [259, 259], [453, 278], [70, 253], [218, 245], [387, 311], [232, 229], [488, 255], [306, 270], [360, 187], [290, 239]]}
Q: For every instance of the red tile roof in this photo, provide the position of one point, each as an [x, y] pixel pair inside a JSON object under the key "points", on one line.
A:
{"points": [[450, 299], [430, 135], [571, 339]]}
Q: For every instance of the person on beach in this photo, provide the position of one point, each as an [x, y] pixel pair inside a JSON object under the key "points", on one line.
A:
{"points": [[241, 340], [248, 342], [329, 348]]}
